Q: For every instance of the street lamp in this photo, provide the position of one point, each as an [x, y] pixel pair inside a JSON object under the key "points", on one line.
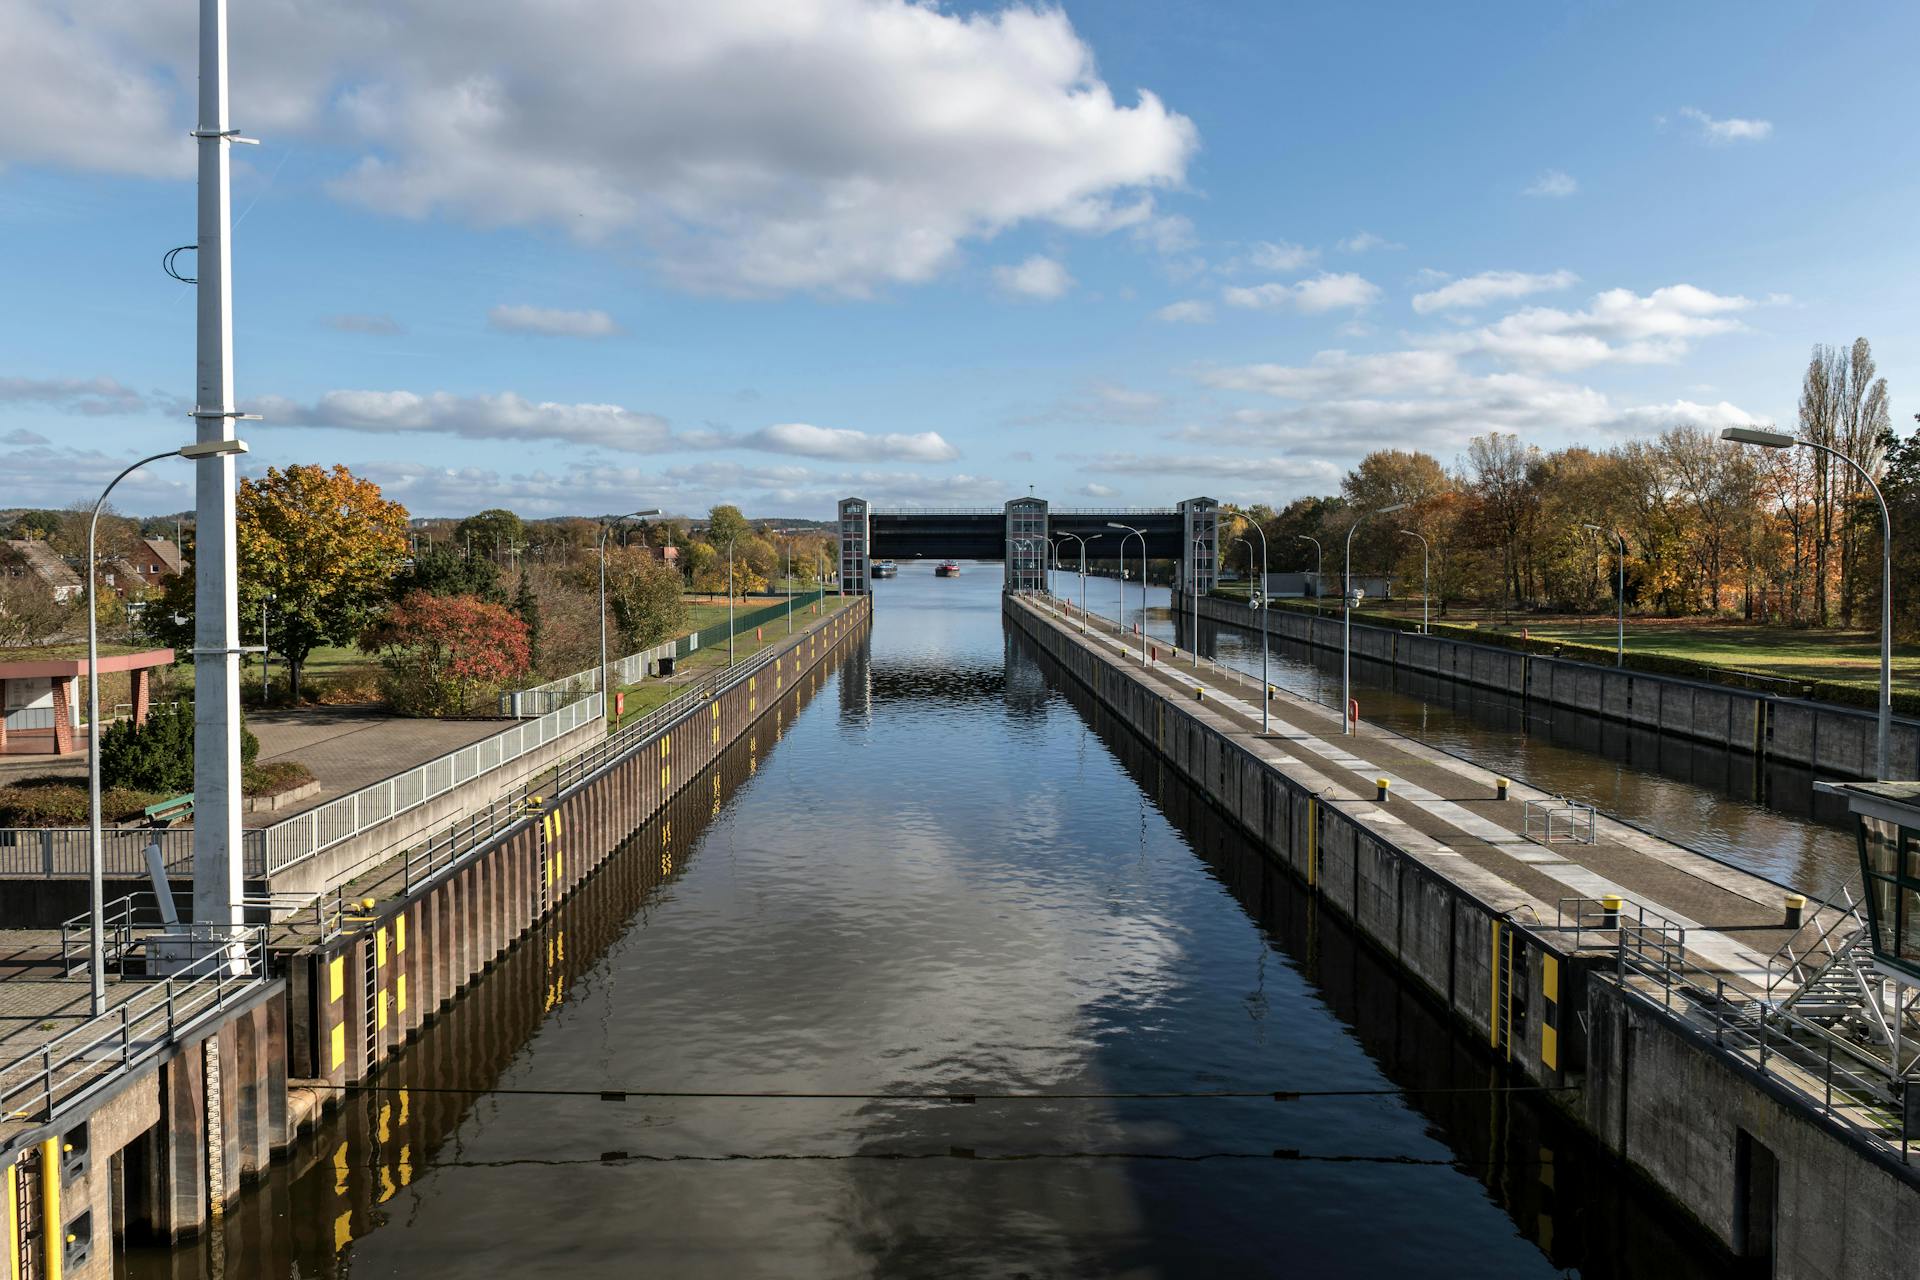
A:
{"points": [[1083, 574], [1199, 545], [606, 525], [1020, 546], [1346, 605], [1426, 577], [1122, 620], [789, 584], [1620, 644], [1781, 440], [1317, 579], [730, 623], [96, 904], [1256, 602]]}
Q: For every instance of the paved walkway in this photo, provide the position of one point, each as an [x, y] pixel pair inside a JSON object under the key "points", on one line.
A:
{"points": [[1734, 921], [350, 747]]}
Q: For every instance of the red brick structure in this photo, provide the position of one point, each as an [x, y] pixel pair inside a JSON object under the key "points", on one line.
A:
{"points": [[38, 699]]}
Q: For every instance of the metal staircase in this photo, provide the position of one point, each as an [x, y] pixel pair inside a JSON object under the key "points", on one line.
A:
{"points": [[1829, 992]]}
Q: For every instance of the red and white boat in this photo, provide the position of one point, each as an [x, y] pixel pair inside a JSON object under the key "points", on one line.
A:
{"points": [[947, 569]]}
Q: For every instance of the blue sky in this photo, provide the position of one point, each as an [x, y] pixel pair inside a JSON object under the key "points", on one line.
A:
{"points": [[648, 254]]}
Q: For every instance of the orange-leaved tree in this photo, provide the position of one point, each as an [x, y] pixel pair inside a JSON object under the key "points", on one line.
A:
{"points": [[438, 653], [324, 544]]}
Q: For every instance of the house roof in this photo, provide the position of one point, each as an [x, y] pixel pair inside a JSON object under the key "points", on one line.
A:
{"points": [[164, 551], [43, 563]]}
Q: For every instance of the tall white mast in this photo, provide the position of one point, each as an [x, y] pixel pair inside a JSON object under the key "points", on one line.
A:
{"points": [[218, 864]]}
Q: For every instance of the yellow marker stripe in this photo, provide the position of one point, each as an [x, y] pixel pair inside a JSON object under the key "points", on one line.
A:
{"points": [[399, 934], [336, 979], [339, 1045], [400, 993], [51, 1222], [13, 1222]]}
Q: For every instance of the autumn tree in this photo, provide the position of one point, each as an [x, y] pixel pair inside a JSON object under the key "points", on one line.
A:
{"points": [[438, 654], [324, 544], [644, 598], [490, 533]]}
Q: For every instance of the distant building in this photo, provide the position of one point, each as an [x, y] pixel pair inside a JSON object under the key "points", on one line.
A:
{"points": [[155, 560], [36, 560]]}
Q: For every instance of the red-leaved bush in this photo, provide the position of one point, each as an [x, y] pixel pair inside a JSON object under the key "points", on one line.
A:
{"points": [[439, 654]]}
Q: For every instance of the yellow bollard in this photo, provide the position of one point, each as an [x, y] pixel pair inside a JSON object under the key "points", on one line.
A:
{"points": [[1380, 789], [1500, 786], [1796, 909], [1610, 911]]}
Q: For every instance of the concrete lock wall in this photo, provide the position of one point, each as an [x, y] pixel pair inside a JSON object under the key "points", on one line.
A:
{"points": [[1838, 741], [155, 1154], [1654, 1093], [1445, 929], [1680, 1113], [354, 999]]}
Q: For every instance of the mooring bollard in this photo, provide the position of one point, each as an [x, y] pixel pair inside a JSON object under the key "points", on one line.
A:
{"points": [[1610, 911], [1380, 786], [1796, 909], [1271, 693], [1500, 786], [1199, 694]]}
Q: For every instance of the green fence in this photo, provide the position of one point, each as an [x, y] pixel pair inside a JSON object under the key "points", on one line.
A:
{"points": [[743, 620]]}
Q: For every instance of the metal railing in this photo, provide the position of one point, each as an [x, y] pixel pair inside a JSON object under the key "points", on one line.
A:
{"points": [[305, 834], [66, 1069], [426, 862], [130, 920], [63, 851], [1832, 1077], [1575, 820], [632, 669]]}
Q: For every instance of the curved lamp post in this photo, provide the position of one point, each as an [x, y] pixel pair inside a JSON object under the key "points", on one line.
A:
{"points": [[606, 526], [1257, 601], [1620, 642], [1346, 607], [96, 906], [1318, 589], [1426, 577], [1083, 574], [1781, 440], [1122, 620]]}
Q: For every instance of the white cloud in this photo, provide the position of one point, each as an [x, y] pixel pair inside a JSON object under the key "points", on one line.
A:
{"points": [[369, 324], [830, 145], [1036, 277], [1325, 292], [493, 416], [1732, 129], [761, 490], [1553, 184], [1342, 405], [1190, 311], [1491, 286], [509, 416], [551, 322], [809, 441], [1366, 242], [1281, 256], [1619, 326], [93, 397], [1094, 489]]}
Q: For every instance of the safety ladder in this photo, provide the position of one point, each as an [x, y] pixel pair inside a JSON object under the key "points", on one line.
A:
{"points": [[24, 1200], [1502, 1019], [372, 1007]]}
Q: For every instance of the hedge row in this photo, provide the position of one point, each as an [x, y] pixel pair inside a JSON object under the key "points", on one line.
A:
{"points": [[1905, 702]]}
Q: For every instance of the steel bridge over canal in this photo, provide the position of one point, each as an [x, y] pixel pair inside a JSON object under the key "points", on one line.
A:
{"points": [[1020, 533]]}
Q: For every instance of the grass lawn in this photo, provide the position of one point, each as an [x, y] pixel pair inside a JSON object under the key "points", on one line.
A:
{"points": [[1849, 656], [648, 694]]}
